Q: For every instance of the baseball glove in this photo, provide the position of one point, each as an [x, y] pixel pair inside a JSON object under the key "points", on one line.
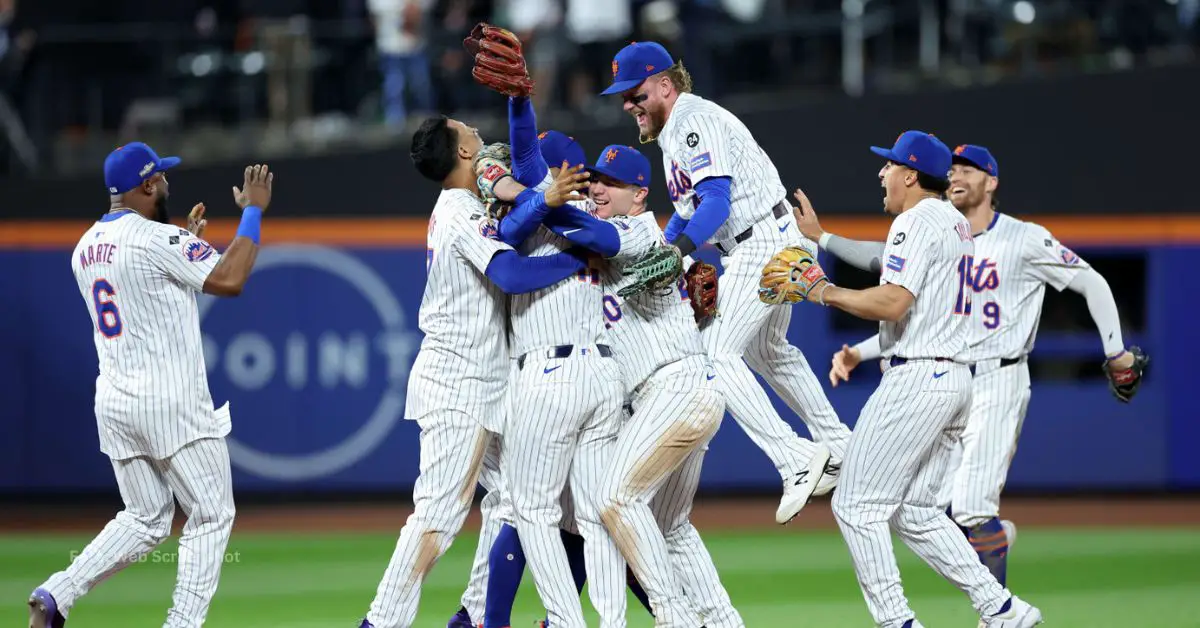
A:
{"points": [[493, 163], [701, 281], [499, 60], [1124, 383], [658, 268], [790, 276]]}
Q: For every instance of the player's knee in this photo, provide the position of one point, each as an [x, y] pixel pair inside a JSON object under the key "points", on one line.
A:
{"points": [[612, 510], [215, 514], [155, 527], [845, 507]]}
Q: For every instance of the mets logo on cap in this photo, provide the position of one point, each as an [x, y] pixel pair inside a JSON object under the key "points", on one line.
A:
{"points": [[614, 68], [197, 250]]}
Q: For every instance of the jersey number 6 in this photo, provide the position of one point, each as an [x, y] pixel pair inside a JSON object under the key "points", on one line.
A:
{"points": [[108, 316]]}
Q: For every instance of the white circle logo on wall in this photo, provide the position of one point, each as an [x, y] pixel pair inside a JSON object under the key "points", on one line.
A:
{"points": [[341, 455]]}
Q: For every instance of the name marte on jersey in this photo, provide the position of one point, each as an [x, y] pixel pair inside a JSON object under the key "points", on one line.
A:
{"points": [[101, 253]]}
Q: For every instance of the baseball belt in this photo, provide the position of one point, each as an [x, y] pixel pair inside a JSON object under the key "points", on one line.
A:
{"points": [[780, 210], [563, 351]]}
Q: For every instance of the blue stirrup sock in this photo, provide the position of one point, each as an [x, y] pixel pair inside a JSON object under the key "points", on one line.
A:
{"points": [[990, 542], [506, 566]]}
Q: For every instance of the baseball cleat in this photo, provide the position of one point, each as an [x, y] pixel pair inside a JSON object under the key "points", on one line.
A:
{"points": [[461, 619], [43, 610], [798, 489], [1010, 532], [1016, 613], [829, 479]]}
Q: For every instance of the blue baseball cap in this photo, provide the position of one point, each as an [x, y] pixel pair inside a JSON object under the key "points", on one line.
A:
{"points": [[558, 147], [625, 164], [977, 156], [126, 167], [921, 152], [637, 62]]}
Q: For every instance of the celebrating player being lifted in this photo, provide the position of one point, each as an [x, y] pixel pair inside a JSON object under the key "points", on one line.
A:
{"points": [[901, 447], [1007, 277], [139, 275], [727, 191]]}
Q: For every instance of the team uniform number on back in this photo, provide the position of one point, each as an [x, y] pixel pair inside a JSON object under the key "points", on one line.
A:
{"points": [[108, 315]]}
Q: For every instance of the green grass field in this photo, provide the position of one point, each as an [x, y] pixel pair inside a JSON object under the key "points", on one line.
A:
{"points": [[1081, 578]]}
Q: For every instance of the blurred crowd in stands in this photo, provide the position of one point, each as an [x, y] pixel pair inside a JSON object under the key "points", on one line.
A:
{"points": [[76, 66]]}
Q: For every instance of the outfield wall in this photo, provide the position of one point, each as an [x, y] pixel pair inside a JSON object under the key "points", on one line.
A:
{"points": [[314, 360]]}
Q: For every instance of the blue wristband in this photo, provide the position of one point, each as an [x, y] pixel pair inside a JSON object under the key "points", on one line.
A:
{"points": [[251, 224]]}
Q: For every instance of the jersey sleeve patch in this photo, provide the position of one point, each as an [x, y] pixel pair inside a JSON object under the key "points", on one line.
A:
{"points": [[197, 250], [701, 161], [895, 263], [489, 228], [1068, 256]]}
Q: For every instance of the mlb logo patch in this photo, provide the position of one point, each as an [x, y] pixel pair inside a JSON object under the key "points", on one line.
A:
{"points": [[895, 263], [196, 250]]}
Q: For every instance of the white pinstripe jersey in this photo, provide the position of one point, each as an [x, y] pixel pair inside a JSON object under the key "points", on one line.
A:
{"points": [[563, 314], [463, 363], [925, 251], [651, 329], [1013, 262], [701, 140], [139, 280]]}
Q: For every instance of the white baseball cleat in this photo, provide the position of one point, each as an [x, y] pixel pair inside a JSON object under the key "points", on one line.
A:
{"points": [[829, 479], [1020, 614], [798, 489], [1010, 532]]}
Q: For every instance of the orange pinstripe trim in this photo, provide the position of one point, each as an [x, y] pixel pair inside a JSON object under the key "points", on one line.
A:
{"points": [[411, 231]]}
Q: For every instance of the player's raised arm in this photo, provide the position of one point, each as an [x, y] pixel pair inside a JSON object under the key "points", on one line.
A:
{"points": [[229, 276], [860, 254]]}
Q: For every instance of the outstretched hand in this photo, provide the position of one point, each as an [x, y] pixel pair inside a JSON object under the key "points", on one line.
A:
{"points": [[256, 187], [566, 185]]}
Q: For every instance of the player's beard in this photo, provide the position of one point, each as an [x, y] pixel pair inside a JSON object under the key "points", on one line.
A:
{"points": [[972, 199], [161, 214], [657, 121]]}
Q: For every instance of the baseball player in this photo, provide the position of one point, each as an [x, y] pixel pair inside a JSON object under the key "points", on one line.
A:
{"points": [[1014, 261], [139, 275], [726, 191], [458, 380], [653, 480], [901, 446], [676, 405], [563, 419]]}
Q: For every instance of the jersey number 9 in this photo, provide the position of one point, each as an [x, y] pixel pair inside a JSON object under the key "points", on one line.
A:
{"points": [[108, 316]]}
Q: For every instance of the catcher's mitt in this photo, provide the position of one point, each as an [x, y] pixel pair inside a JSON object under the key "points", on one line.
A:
{"points": [[701, 281], [493, 163], [790, 276], [499, 60], [1124, 383]]}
